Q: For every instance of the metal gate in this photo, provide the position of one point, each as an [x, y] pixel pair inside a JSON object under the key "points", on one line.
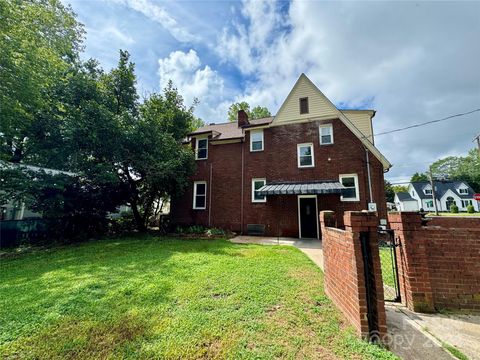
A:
{"points": [[387, 245]]}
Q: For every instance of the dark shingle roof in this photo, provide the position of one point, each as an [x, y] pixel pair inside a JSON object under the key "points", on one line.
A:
{"points": [[441, 187], [404, 196], [230, 130]]}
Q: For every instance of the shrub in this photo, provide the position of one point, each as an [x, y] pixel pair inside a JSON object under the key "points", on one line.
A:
{"points": [[454, 209], [470, 209]]}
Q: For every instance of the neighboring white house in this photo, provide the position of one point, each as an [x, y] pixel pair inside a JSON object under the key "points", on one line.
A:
{"points": [[447, 193]]}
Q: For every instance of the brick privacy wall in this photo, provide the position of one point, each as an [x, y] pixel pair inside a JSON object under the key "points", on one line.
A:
{"points": [[278, 162], [438, 263], [344, 269]]}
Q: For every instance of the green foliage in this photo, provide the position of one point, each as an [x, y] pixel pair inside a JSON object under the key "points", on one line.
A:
{"points": [[257, 112], [199, 230], [389, 192], [400, 188], [454, 209], [417, 177], [148, 297], [464, 168], [40, 40], [470, 209]]}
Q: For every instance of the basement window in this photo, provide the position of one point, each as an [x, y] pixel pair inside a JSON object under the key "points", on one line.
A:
{"points": [[201, 149], [199, 195], [350, 193], [303, 105], [257, 184]]}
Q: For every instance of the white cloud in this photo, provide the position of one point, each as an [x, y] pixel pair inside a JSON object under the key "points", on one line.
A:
{"points": [[193, 81], [417, 61], [161, 16]]}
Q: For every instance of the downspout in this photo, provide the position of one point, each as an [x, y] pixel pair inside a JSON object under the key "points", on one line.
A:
{"points": [[368, 175], [210, 197], [241, 191]]}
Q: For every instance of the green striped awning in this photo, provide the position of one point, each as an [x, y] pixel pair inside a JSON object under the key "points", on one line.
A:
{"points": [[303, 188]]}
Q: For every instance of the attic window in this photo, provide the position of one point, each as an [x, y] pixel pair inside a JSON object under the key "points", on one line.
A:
{"points": [[304, 105], [463, 191], [428, 191]]}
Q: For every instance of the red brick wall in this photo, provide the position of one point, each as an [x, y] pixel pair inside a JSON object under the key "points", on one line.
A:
{"points": [[278, 162], [438, 263], [344, 269]]}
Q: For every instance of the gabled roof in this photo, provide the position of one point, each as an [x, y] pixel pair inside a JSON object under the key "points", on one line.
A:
{"points": [[404, 196], [328, 110], [441, 188]]}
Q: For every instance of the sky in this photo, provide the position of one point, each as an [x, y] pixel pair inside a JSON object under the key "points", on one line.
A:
{"points": [[412, 62]]}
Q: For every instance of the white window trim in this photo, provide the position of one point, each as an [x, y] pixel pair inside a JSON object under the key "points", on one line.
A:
{"points": [[299, 217], [251, 140], [195, 207], [463, 193], [320, 133], [357, 190], [197, 140], [298, 155], [253, 190]]}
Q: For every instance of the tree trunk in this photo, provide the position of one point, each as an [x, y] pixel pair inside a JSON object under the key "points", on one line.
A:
{"points": [[138, 218]]}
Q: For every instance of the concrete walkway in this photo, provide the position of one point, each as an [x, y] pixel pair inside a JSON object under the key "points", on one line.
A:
{"points": [[311, 247], [407, 335]]}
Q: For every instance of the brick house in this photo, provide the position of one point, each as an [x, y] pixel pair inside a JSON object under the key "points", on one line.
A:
{"points": [[274, 175]]}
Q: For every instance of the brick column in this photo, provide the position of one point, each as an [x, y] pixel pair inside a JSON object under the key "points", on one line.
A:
{"points": [[357, 222], [412, 261]]}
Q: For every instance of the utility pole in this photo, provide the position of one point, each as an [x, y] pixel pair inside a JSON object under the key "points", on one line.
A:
{"points": [[433, 190], [478, 143]]}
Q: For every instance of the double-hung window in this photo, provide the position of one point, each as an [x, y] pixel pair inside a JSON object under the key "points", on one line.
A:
{"points": [[428, 191], [257, 184], [463, 191], [350, 182], [429, 204], [201, 149], [326, 134], [466, 203], [256, 140], [199, 195], [305, 155]]}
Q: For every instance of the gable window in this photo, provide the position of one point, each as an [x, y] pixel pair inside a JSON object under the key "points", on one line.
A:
{"points": [[326, 134], [303, 105], [463, 191], [428, 191], [199, 195], [257, 184], [350, 193], [201, 149], [256, 140], [305, 155], [466, 203]]}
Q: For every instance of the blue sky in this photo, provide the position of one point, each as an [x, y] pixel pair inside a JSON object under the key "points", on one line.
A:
{"points": [[410, 61]]}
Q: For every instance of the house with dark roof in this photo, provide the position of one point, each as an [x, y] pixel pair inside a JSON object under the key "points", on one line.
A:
{"points": [[447, 193], [273, 175]]}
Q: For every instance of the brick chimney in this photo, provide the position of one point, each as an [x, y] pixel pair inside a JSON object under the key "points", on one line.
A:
{"points": [[242, 118]]}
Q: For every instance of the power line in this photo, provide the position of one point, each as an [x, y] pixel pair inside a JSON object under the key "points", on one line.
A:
{"points": [[427, 122]]}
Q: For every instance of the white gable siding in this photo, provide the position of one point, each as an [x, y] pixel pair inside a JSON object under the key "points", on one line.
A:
{"points": [[318, 105], [362, 121]]}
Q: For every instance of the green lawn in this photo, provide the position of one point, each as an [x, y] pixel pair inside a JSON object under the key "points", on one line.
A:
{"points": [[171, 299], [386, 263], [463, 214]]}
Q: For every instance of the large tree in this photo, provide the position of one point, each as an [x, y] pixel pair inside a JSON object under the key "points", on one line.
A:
{"points": [[40, 40], [257, 112]]}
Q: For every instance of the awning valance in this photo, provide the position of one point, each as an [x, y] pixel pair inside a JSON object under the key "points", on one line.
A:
{"points": [[303, 188]]}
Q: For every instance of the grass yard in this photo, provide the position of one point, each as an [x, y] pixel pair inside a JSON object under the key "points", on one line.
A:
{"points": [[171, 299], [448, 214], [386, 263]]}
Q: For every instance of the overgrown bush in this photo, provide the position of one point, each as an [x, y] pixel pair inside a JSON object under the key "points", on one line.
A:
{"points": [[470, 209], [454, 209]]}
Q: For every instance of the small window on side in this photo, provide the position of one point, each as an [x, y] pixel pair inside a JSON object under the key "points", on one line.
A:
{"points": [[350, 193], [257, 184], [304, 105], [256, 140], [326, 134], [199, 195], [201, 149]]}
